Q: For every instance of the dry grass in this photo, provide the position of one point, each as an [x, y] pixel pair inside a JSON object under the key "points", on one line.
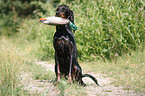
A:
{"points": [[127, 70], [18, 59]]}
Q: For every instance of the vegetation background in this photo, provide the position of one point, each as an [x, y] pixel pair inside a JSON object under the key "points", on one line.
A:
{"points": [[110, 31]]}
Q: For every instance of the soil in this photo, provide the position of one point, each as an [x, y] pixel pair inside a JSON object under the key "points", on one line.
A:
{"points": [[106, 87]]}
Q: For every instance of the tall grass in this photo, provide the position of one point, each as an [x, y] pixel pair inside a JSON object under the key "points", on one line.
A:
{"points": [[11, 64], [106, 29], [41, 34], [16, 59]]}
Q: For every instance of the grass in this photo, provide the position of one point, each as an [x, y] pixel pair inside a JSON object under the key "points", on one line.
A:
{"points": [[70, 89], [12, 63], [17, 60], [127, 70], [19, 57], [107, 29], [9, 67]]}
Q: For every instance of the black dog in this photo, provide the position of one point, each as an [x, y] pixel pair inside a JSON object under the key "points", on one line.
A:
{"points": [[66, 65]]}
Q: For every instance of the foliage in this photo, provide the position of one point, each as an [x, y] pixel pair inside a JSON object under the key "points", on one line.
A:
{"points": [[41, 34], [14, 11], [18, 59], [107, 29]]}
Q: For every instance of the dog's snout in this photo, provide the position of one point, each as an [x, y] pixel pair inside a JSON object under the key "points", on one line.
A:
{"points": [[57, 14], [60, 14]]}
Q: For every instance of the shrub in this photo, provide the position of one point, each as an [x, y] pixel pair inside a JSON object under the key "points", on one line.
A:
{"points": [[14, 11], [106, 29]]}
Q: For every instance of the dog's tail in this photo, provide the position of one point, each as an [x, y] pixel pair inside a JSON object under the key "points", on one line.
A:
{"points": [[92, 77]]}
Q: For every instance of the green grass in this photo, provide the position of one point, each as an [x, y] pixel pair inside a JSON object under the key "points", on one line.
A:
{"points": [[70, 89], [106, 29]]}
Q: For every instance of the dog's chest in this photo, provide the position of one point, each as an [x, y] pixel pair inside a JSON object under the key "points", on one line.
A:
{"points": [[63, 45]]}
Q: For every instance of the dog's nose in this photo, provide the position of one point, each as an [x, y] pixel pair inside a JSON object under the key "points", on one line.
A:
{"points": [[57, 13]]}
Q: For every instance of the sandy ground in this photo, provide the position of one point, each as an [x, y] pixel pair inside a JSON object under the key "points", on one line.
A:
{"points": [[105, 88]]}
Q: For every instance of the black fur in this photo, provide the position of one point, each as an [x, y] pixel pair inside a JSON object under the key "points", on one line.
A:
{"points": [[66, 64]]}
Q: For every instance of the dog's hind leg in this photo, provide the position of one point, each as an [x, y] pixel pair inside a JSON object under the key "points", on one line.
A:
{"points": [[78, 74]]}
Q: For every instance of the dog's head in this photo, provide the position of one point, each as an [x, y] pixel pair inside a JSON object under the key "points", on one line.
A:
{"points": [[64, 12]]}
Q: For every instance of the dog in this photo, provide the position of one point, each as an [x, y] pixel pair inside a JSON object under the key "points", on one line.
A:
{"points": [[66, 64]]}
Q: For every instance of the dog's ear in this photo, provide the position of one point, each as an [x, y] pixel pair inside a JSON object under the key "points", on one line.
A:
{"points": [[71, 16]]}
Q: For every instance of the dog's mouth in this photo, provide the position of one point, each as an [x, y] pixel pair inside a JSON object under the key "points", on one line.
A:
{"points": [[60, 15]]}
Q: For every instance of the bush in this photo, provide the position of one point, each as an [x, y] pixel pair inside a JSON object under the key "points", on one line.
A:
{"points": [[13, 13], [106, 29]]}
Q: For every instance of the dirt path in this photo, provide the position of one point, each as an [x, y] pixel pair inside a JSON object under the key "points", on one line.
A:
{"points": [[105, 88]]}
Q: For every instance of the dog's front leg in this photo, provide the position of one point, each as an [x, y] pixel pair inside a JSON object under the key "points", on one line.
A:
{"points": [[57, 68], [71, 60], [70, 71]]}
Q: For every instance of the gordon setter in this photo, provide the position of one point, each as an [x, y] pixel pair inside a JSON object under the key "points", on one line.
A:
{"points": [[66, 64]]}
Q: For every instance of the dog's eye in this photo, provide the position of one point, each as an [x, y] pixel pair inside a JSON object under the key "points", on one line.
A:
{"points": [[57, 9], [63, 9]]}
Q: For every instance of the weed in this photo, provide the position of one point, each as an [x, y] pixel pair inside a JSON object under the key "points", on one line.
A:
{"points": [[10, 68], [16, 58]]}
